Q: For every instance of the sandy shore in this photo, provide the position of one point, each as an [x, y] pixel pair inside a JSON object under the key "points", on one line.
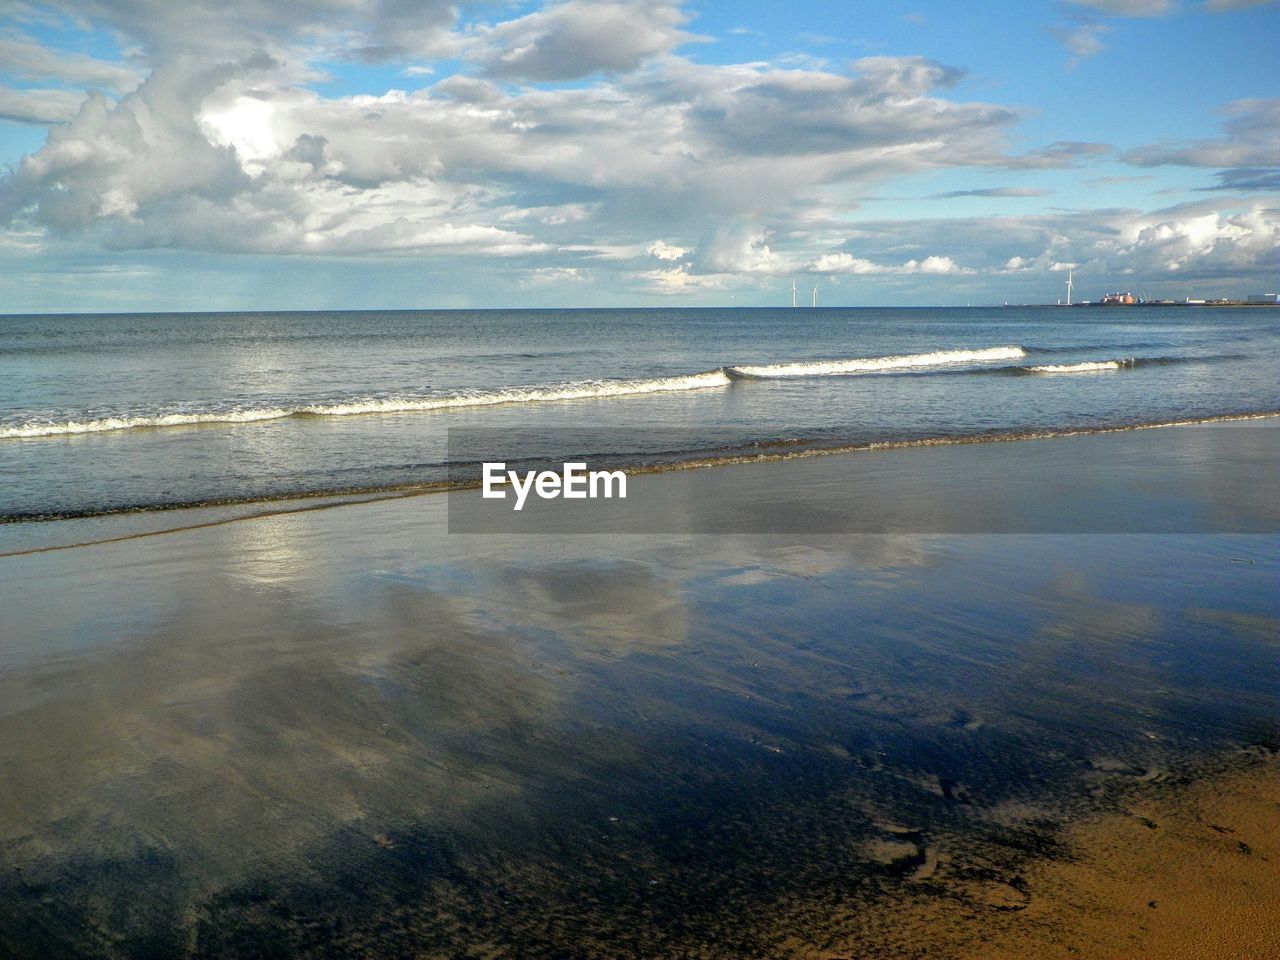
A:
{"points": [[1183, 872], [350, 733], [1194, 872]]}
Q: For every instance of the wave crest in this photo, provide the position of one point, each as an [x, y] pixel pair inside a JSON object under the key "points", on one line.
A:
{"points": [[581, 390], [1090, 366], [820, 368], [539, 393]]}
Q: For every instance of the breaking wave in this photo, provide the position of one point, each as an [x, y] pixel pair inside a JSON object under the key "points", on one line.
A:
{"points": [[1090, 366], [820, 368], [581, 390], [541, 393]]}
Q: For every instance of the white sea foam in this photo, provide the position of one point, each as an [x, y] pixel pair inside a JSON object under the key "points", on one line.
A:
{"points": [[819, 368], [580, 390], [48, 428], [1092, 366]]}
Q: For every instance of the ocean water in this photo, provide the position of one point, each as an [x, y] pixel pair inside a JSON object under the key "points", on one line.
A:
{"points": [[128, 412]]}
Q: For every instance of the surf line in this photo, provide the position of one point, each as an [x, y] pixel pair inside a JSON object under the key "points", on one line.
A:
{"points": [[573, 482]]}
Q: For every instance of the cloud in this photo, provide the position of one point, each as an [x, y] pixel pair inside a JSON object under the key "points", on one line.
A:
{"points": [[362, 29], [1111, 180], [662, 250], [38, 106], [1061, 153], [991, 192], [1250, 141], [847, 263], [1207, 242], [1247, 179], [1082, 39], [1226, 6], [1129, 8], [1190, 243], [24, 58], [467, 89], [579, 38], [738, 249], [552, 277], [111, 159], [675, 280], [744, 170], [239, 156]]}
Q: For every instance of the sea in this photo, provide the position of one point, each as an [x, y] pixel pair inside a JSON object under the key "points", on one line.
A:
{"points": [[131, 413]]}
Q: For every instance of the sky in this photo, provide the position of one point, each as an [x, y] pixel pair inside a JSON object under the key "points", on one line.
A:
{"points": [[387, 154]]}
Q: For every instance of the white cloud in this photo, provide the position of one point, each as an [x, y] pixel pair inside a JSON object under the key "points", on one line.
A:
{"points": [[23, 57], [368, 29], [552, 277], [1251, 140], [738, 249], [1205, 242], [1194, 242], [1061, 153], [744, 170], [580, 37], [847, 263], [38, 106], [110, 159], [676, 146], [661, 250], [1082, 39], [680, 279]]}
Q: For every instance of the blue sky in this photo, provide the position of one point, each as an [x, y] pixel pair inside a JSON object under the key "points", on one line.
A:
{"points": [[230, 154]]}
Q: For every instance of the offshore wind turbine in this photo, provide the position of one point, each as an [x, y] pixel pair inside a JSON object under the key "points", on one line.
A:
{"points": [[1068, 286], [793, 292], [815, 296]]}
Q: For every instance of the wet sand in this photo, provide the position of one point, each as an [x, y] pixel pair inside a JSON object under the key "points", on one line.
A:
{"points": [[350, 733]]}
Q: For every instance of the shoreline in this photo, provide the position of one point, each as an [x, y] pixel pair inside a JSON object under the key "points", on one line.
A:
{"points": [[325, 500]]}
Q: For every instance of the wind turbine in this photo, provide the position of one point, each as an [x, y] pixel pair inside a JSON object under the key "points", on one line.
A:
{"points": [[815, 296], [793, 291], [1068, 286]]}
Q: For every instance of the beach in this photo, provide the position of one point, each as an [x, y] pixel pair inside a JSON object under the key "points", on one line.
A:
{"points": [[351, 732], [639, 480]]}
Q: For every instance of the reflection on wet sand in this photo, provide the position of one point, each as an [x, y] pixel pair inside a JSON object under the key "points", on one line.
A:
{"points": [[295, 737]]}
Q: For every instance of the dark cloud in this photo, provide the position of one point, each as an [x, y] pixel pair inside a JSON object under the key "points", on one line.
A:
{"points": [[1247, 179], [991, 192]]}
